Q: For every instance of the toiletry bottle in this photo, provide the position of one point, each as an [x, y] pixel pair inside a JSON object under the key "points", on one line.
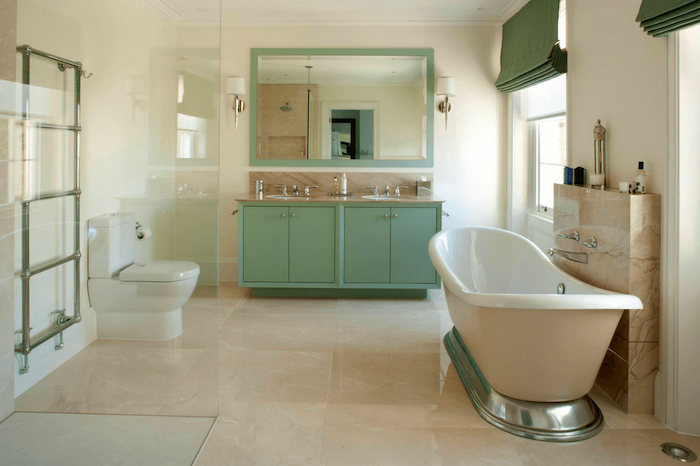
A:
{"points": [[641, 181], [335, 189], [343, 185]]}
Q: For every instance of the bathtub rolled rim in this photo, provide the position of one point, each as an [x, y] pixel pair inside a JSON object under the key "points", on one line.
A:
{"points": [[598, 299]]}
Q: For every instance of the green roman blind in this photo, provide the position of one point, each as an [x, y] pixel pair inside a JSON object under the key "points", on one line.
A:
{"points": [[662, 17], [530, 53]]}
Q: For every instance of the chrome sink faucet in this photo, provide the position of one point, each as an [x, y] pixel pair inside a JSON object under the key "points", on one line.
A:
{"points": [[306, 190], [580, 257], [397, 191], [284, 189], [375, 192]]}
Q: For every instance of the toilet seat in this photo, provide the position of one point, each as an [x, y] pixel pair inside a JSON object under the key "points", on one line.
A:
{"points": [[160, 271]]}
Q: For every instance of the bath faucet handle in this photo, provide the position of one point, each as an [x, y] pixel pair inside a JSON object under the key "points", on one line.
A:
{"points": [[284, 189], [375, 192], [306, 189], [574, 236], [295, 190], [591, 243], [397, 191]]}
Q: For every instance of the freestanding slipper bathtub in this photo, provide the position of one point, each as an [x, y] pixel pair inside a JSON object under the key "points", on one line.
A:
{"points": [[528, 339]]}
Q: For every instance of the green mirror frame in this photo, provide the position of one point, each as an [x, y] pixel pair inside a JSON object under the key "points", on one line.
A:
{"points": [[430, 112]]}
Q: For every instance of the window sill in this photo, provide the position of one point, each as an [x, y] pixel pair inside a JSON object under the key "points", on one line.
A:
{"points": [[541, 217]]}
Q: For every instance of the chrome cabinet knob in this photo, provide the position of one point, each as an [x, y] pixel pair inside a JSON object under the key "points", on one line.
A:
{"points": [[396, 215], [294, 215], [284, 215], [386, 216]]}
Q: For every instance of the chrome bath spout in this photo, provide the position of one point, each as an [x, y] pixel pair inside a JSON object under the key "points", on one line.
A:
{"points": [[580, 257]]}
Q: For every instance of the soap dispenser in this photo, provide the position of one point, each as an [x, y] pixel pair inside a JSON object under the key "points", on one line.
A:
{"points": [[344, 185], [641, 181], [335, 190]]}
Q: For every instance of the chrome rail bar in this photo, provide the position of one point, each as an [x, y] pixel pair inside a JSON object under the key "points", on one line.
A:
{"points": [[27, 346]]}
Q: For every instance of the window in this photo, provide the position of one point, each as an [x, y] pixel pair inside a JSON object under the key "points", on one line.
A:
{"points": [[545, 117]]}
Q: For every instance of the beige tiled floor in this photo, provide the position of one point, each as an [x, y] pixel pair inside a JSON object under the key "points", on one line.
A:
{"points": [[368, 382], [324, 382]]}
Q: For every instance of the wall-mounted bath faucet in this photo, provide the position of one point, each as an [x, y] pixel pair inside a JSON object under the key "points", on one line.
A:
{"points": [[591, 243], [574, 236], [580, 257]]}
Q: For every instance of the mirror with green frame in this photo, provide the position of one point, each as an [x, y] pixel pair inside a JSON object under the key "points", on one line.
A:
{"points": [[341, 107]]}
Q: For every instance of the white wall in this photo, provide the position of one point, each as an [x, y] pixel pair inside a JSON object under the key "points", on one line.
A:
{"points": [[688, 375], [470, 164], [115, 41]]}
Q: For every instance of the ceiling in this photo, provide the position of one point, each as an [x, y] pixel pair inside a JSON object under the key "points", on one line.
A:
{"points": [[337, 11]]}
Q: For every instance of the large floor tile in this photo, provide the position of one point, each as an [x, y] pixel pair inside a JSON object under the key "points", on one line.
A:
{"points": [[111, 440], [612, 447], [262, 445], [353, 446]]}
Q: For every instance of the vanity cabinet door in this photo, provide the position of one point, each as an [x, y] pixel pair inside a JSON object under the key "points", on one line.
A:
{"points": [[367, 244], [312, 245], [411, 230], [266, 244]]}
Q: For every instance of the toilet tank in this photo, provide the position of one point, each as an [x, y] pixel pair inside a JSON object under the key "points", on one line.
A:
{"points": [[111, 242]]}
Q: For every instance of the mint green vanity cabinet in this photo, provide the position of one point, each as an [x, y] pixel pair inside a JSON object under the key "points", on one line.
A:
{"points": [[312, 244], [367, 245], [411, 230], [266, 244]]}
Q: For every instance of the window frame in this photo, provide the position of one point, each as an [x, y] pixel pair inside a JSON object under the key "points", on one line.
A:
{"points": [[533, 155]]}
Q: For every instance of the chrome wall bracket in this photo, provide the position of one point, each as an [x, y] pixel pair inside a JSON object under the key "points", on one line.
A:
{"points": [[61, 319], [569, 421]]}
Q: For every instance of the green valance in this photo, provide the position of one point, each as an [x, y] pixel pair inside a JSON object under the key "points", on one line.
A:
{"points": [[530, 53], [662, 17]]}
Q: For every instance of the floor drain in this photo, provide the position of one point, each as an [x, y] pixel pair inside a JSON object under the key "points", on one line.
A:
{"points": [[679, 452]]}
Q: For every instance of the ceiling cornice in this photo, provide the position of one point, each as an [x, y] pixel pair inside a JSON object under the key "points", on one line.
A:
{"points": [[247, 23], [511, 9], [165, 9]]}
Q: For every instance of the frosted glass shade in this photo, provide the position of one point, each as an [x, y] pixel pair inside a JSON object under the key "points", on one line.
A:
{"points": [[235, 85], [446, 86]]}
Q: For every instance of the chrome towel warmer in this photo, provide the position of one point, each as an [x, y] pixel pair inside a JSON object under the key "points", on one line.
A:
{"points": [[63, 321]]}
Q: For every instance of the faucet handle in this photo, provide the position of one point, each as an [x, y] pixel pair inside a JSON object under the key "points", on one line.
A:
{"points": [[386, 190], [397, 191], [284, 188], [306, 189], [591, 243], [374, 189], [574, 236]]}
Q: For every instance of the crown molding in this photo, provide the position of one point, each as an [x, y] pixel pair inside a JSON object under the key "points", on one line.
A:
{"points": [[252, 23], [165, 9], [511, 9]]}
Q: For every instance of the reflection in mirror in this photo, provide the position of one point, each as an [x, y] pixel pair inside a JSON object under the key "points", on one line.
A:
{"points": [[341, 107]]}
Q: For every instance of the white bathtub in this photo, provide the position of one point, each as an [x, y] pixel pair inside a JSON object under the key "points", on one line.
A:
{"points": [[529, 342]]}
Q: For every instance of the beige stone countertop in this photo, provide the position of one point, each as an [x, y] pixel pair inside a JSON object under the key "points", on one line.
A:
{"points": [[403, 199]]}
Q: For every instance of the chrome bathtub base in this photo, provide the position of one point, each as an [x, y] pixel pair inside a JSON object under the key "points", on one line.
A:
{"points": [[570, 421]]}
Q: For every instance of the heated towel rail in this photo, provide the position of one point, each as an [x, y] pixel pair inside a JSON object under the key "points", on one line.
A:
{"points": [[63, 322]]}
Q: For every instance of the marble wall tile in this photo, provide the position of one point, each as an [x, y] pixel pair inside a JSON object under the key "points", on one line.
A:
{"points": [[8, 42], [627, 260], [357, 181]]}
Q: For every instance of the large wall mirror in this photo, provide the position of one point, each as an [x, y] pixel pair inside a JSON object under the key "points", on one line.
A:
{"points": [[342, 107]]}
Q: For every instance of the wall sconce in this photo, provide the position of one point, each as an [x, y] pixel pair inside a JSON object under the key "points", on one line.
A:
{"points": [[446, 89], [235, 86]]}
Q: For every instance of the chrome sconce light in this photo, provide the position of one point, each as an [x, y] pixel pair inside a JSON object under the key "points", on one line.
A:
{"points": [[235, 86], [446, 88]]}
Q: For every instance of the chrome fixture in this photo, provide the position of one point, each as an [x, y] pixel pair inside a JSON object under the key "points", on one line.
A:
{"points": [[284, 189], [679, 452], [235, 86], [397, 191], [600, 156], [387, 191], [567, 421], [138, 226], [446, 89], [26, 345], [445, 214], [234, 212], [306, 189], [591, 243], [561, 289], [580, 257], [574, 236], [375, 192], [295, 190], [259, 186]]}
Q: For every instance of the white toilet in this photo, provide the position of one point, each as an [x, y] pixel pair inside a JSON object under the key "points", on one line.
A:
{"points": [[134, 301]]}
